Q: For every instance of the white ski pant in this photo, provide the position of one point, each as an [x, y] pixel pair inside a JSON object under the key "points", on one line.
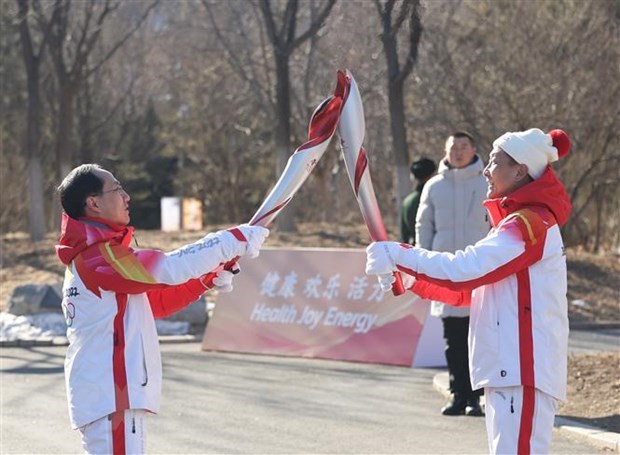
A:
{"points": [[120, 433], [519, 420]]}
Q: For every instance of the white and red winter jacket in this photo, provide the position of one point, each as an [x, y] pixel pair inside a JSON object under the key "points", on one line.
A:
{"points": [[111, 295], [515, 281]]}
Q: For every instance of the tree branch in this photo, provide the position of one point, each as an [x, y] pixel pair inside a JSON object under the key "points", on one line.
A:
{"points": [[289, 22], [415, 34], [80, 55], [404, 10], [314, 25], [233, 59], [265, 9], [30, 59], [124, 39]]}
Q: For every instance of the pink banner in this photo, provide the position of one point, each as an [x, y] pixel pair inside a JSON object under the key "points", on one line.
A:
{"points": [[315, 303]]}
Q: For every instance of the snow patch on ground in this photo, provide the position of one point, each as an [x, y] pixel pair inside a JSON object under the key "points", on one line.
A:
{"points": [[50, 325], [31, 327]]}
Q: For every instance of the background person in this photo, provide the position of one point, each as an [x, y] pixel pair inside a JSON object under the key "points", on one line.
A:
{"points": [[515, 280], [421, 170], [451, 216], [112, 294]]}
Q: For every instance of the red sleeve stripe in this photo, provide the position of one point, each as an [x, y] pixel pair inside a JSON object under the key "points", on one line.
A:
{"points": [[121, 394], [528, 257], [526, 337]]}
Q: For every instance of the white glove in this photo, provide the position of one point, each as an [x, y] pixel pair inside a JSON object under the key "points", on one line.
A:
{"points": [[408, 280], [255, 237], [386, 281], [381, 258], [223, 281]]}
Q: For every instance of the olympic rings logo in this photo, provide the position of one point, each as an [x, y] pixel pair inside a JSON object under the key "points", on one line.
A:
{"points": [[69, 313]]}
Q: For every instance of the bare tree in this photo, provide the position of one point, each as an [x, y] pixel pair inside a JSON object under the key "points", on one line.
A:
{"points": [[392, 22], [213, 85], [284, 38], [32, 138], [72, 40], [481, 70]]}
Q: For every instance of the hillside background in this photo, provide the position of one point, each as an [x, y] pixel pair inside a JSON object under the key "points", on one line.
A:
{"points": [[208, 98]]}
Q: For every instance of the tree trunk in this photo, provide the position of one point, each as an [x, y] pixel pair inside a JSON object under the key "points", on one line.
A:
{"points": [[285, 219], [63, 146], [36, 212], [85, 150], [32, 139], [600, 202], [399, 142], [32, 146], [396, 80]]}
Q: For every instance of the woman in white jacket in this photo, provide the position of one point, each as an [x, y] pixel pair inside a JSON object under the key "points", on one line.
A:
{"points": [[515, 281], [450, 217]]}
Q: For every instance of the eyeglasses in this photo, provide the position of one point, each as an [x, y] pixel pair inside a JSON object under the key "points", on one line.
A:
{"points": [[118, 189]]}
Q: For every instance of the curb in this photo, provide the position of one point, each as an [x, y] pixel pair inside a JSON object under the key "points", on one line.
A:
{"points": [[601, 439], [170, 339], [35, 342], [601, 325]]}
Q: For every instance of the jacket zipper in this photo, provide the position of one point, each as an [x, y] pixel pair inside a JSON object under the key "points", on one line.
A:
{"points": [[471, 204], [146, 373]]}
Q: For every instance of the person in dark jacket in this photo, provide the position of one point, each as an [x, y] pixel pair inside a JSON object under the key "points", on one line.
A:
{"points": [[451, 216], [421, 171]]}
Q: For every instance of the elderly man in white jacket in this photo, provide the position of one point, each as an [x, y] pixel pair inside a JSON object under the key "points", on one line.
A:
{"points": [[450, 217], [112, 295]]}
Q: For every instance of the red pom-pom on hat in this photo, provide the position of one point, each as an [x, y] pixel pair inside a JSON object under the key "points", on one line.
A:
{"points": [[561, 142]]}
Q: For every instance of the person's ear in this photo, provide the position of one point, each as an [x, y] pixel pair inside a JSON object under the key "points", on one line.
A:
{"points": [[521, 172], [91, 203]]}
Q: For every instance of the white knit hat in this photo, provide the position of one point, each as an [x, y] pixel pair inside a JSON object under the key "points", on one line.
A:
{"points": [[534, 148]]}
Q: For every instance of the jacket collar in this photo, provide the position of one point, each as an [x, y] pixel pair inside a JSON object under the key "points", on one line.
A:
{"points": [[77, 235], [471, 170], [546, 192]]}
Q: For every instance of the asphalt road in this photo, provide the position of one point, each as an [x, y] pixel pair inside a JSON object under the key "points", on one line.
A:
{"points": [[591, 341], [231, 403]]}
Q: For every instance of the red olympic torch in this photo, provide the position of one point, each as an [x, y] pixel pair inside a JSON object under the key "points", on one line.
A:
{"points": [[322, 127], [352, 130]]}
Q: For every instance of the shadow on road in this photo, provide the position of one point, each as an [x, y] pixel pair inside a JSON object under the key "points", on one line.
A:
{"points": [[45, 362]]}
